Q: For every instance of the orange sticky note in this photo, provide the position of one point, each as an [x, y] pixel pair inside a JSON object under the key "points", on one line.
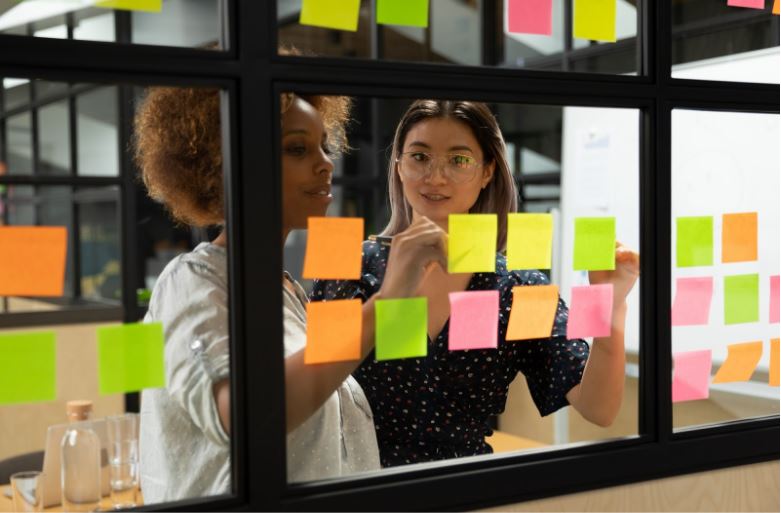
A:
{"points": [[775, 11], [333, 248], [533, 311], [741, 361], [774, 362], [32, 260], [333, 331], [739, 237]]}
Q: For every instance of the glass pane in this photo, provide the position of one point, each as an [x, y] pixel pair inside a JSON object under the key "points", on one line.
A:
{"points": [[726, 251], [16, 93], [187, 23], [446, 403], [716, 41], [99, 238], [97, 126], [19, 137], [454, 34], [54, 139]]}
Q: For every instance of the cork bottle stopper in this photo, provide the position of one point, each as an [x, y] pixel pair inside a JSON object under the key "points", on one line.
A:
{"points": [[79, 410]]}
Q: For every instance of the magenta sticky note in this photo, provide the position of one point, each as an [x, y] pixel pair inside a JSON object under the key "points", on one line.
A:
{"points": [[529, 16], [590, 311], [692, 301], [775, 300], [691, 375], [474, 320], [751, 4]]}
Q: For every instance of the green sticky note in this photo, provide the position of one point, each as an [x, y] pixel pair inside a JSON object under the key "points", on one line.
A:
{"points": [[595, 20], [132, 5], [471, 243], [412, 13], [595, 244], [28, 367], [130, 358], [741, 298], [334, 14], [529, 241], [400, 328], [694, 241]]}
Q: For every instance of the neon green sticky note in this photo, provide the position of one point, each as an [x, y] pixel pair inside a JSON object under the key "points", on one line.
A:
{"points": [[595, 244], [741, 298], [529, 241], [471, 243], [400, 328], [28, 367], [412, 13], [131, 5], [334, 14], [130, 358], [694, 241], [595, 20]]}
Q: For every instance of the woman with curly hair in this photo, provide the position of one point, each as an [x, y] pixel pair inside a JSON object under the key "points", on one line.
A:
{"points": [[185, 443]]}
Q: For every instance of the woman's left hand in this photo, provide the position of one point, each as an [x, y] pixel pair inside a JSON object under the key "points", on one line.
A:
{"points": [[623, 277]]}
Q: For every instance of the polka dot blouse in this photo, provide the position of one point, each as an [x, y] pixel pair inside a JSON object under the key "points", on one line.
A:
{"points": [[438, 407]]}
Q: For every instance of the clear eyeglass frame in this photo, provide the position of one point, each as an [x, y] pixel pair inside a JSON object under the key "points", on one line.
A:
{"points": [[457, 168]]}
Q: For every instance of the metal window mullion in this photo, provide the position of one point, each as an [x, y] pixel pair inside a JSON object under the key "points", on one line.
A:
{"points": [[566, 65], [75, 238]]}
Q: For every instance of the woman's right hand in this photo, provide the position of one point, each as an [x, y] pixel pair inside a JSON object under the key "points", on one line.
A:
{"points": [[412, 252]]}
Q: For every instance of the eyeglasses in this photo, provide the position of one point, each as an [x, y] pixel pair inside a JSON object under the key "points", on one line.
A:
{"points": [[458, 168]]}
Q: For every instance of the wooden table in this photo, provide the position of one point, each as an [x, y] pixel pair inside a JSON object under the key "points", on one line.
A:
{"points": [[7, 504]]}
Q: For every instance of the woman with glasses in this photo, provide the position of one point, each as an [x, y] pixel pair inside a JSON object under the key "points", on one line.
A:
{"points": [[448, 157]]}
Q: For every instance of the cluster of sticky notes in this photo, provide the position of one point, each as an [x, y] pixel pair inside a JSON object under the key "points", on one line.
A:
{"points": [[692, 369], [694, 241], [130, 359], [752, 4], [32, 260], [593, 19]]}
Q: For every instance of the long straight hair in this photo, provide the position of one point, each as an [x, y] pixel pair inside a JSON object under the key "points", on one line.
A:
{"points": [[500, 196]]}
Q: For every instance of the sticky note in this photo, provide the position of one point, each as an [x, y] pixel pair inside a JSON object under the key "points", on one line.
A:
{"points": [[692, 301], [775, 300], [333, 331], [400, 328], [412, 13], [741, 298], [741, 361], [595, 244], [533, 312], [691, 373], [775, 11], [28, 367], [334, 14], [774, 362], [333, 248], [739, 237], [751, 4], [131, 5], [474, 320], [529, 241], [595, 19], [472, 243], [694, 243], [529, 16], [32, 260], [591, 311], [130, 358]]}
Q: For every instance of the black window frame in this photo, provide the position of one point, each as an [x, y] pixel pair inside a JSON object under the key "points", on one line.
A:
{"points": [[252, 74]]}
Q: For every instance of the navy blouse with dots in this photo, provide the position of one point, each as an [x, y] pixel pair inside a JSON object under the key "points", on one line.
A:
{"points": [[438, 407]]}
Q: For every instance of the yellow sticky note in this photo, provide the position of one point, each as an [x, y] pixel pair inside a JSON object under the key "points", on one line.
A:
{"points": [[529, 241], [334, 14], [741, 361], [131, 5], [32, 260], [595, 20], [774, 362], [775, 11], [533, 312], [333, 248], [472, 243], [333, 331]]}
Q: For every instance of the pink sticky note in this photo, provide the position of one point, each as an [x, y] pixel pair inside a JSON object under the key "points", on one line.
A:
{"points": [[751, 4], [692, 301], [529, 16], [591, 311], [775, 300], [691, 374], [474, 320]]}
